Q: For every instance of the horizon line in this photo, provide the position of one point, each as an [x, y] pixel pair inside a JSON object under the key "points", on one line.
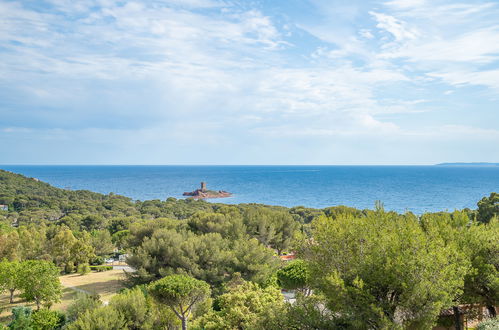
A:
{"points": [[387, 164]]}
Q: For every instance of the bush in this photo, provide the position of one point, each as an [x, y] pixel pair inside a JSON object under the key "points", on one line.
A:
{"points": [[69, 268], [21, 318], [100, 318], [133, 305], [97, 261], [45, 319], [101, 268], [490, 324], [82, 304], [83, 269]]}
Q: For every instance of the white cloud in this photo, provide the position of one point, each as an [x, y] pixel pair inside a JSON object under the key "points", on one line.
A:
{"points": [[396, 27], [489, 78], [143, 72], [406, 4]]}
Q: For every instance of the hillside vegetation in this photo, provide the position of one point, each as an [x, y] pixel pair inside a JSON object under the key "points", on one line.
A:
{"points": [[214, 266]]}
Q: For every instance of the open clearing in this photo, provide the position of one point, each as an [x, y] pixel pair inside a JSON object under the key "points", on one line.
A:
{"points": [[105, 284]]}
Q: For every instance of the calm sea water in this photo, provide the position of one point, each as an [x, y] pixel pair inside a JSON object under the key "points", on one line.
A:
{"points": [[400, 188]]}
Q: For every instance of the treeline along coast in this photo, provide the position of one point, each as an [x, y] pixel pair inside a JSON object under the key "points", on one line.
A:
{"points": [[191, 264]]}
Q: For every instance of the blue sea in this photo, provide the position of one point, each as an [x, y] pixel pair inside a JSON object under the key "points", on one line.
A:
{"points": [[400, 188]]}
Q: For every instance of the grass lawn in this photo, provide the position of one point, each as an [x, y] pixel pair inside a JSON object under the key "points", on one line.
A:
{"points": [[106, 284]]}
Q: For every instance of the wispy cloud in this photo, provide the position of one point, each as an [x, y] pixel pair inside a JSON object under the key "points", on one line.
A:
{"points": [[241, 73]]}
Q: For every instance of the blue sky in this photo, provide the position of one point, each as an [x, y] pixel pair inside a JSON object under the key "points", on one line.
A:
{"points": [[249, 82]]}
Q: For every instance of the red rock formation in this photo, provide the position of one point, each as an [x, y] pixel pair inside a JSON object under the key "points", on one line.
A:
{"points": [[204, 193]]}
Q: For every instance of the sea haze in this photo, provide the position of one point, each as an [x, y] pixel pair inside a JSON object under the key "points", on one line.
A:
{"points": [[400, 188]]}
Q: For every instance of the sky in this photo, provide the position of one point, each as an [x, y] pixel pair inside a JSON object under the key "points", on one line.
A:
{"points": [[249, 82]]}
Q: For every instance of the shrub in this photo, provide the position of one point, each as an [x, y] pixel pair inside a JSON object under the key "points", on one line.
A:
{"points": [[83, 269], [81, 304], [100, 318], [101, 268], [21, 318], [45, 319], [132, 304], [490, 324], [98, 260], [69, 268]]}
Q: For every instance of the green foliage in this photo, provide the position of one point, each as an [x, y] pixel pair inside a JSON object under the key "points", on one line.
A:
{"points": [[367, 269], [306, 313], [101, 268], [305, 215], [488, 208], [208, 257], [81, 305], [102, 242], [104, 318], [83, 269], [10, 277], [481, 243], [45, 319], [273, 228], [295, 275], [384, 270], [490, 324], [40, 282], [181, 293], [9, 245], [245, 306], [341, 210], [228, 225], [134, 307], [21, 319], [68, 250]]}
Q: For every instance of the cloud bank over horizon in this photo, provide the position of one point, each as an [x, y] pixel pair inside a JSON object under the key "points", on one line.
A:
{"points": [[239, 82]]}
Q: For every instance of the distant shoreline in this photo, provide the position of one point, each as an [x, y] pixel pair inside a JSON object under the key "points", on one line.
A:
{"points": [[483, 164]]}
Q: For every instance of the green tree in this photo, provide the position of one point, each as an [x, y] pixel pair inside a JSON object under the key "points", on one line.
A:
{"points": [[181, 293], [68, 251], [488, 208], [45, 319], [83, 302], [167, 252], [481, 242], [383, 270], [295, 276], [120, 238], [306, 313], [9, 245], [104, 318], [21, 318], [134, 307], [102, 242], [32, 242], [61, 245], [245, 306], [273, 228], [490, 324], [93, 222], [252, 260], [228, 225], [10, 277], [40, 282], [83, 269]]}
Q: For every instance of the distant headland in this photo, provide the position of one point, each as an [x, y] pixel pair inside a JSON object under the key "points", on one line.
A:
{"points": [[205, 193], [483, 164]]}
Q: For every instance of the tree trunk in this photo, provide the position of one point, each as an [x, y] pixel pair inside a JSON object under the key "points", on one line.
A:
{"points": [[37, 304], [492, 310], [184, 323], [457, 319], [12, 295]]}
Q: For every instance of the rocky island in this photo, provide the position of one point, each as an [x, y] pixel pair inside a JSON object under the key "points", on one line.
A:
{"points": [[205, 193]]}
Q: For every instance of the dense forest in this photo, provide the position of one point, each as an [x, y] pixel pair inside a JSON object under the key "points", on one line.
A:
{"points": [[202, 265]]}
